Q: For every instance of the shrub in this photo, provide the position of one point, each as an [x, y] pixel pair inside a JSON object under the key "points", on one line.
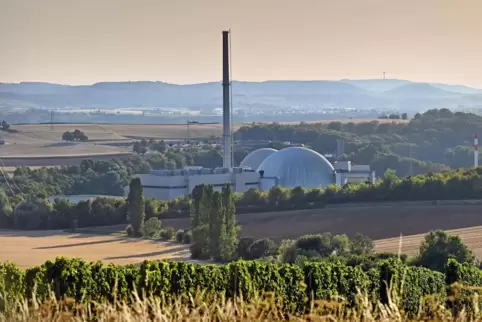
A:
{"points": [[438, 247], [361, 244], [187, 239], [242, 250], [287, 251], [180, 236], [262, 248], [152, 227], [167, 234], [129, 230], [320, 243]]}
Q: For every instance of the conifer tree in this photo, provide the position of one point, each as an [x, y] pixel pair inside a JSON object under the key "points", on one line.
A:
{"points": [[200, 223], [217, 227], [135, 206], [230, 239], [197, 193]]}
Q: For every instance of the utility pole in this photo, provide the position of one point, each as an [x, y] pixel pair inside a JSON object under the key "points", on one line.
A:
{"points": [[384, 75]]}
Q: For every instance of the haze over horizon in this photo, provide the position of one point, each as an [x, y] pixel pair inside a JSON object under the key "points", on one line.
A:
{"points": [[90, 41]]}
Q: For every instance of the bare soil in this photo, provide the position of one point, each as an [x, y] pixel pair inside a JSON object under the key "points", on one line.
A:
{"points": [[382, 222], [31, 248], [377, 222]]}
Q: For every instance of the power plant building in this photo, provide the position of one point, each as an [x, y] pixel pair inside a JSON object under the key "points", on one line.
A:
{"points": [[264, 168], [289, 168]]}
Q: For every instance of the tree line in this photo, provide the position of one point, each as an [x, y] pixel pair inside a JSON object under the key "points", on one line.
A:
{"points": [[435, 140], [447, 185]]}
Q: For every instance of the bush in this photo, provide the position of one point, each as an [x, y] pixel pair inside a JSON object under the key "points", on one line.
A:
{"points": [[320, 243], [152, 227], [187, 239], [129, 230], [361, 244], [262, 248], [180, 236], [438, 247], [242, 250], [167, 234]]}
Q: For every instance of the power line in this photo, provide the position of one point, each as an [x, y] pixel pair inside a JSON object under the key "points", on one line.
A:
{"points": [[11, 178]]}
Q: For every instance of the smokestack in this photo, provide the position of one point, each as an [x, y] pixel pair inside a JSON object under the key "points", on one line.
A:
{"points": [[227, 156], [476, 149]]}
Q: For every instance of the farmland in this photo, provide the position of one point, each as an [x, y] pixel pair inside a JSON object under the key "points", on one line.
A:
{"points": [[381, 223], [29, 248], [41, 144]]}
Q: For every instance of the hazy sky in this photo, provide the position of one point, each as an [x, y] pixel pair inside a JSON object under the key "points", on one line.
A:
{"points": [[179, 41]]}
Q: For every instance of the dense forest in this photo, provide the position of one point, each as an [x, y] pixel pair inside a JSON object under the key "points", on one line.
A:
{"points": [[433, 141]]}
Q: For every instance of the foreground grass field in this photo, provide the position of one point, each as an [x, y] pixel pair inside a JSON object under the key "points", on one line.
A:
{"points": [[197, 308], [30, 248]]}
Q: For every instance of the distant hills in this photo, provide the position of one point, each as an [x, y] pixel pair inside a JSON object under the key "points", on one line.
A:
{"points": [[360, 94]]}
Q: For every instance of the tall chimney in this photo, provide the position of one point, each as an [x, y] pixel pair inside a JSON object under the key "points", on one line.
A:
{"points": [[227, 155], [476, 149]]}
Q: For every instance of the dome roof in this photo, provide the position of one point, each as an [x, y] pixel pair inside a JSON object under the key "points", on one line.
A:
{"points": [[298, 166], [254, 159]]}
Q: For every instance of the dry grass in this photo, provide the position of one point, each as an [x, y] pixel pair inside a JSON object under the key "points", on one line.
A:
{"points": [[31, 248], [203, 307], [112, 131]]}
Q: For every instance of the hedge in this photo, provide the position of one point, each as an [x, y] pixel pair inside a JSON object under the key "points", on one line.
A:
{"points": [[296, 287]]}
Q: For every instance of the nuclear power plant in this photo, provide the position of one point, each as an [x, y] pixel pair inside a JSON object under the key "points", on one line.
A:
{"points": [[262, 169]]}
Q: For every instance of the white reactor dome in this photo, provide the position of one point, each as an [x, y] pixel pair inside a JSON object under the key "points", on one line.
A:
{"points": [[296, 166], [256, 157]]}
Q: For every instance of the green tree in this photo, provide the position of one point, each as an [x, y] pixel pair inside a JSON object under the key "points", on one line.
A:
{"points": [[196, 196], [231, 237], [135, 205], [361, 244], [200, 247], [217, 228], [68, 136], [5, 125], [438, 247], [262, 248]]}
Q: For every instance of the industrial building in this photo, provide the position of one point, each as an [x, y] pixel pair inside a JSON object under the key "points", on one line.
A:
{"points": [[289, 168], [263, 168]]}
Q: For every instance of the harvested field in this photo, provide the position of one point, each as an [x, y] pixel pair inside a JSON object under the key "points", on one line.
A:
{"points": [[377, 222], [37, 142], [471, 236], [30, 248], [113, 131]]}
